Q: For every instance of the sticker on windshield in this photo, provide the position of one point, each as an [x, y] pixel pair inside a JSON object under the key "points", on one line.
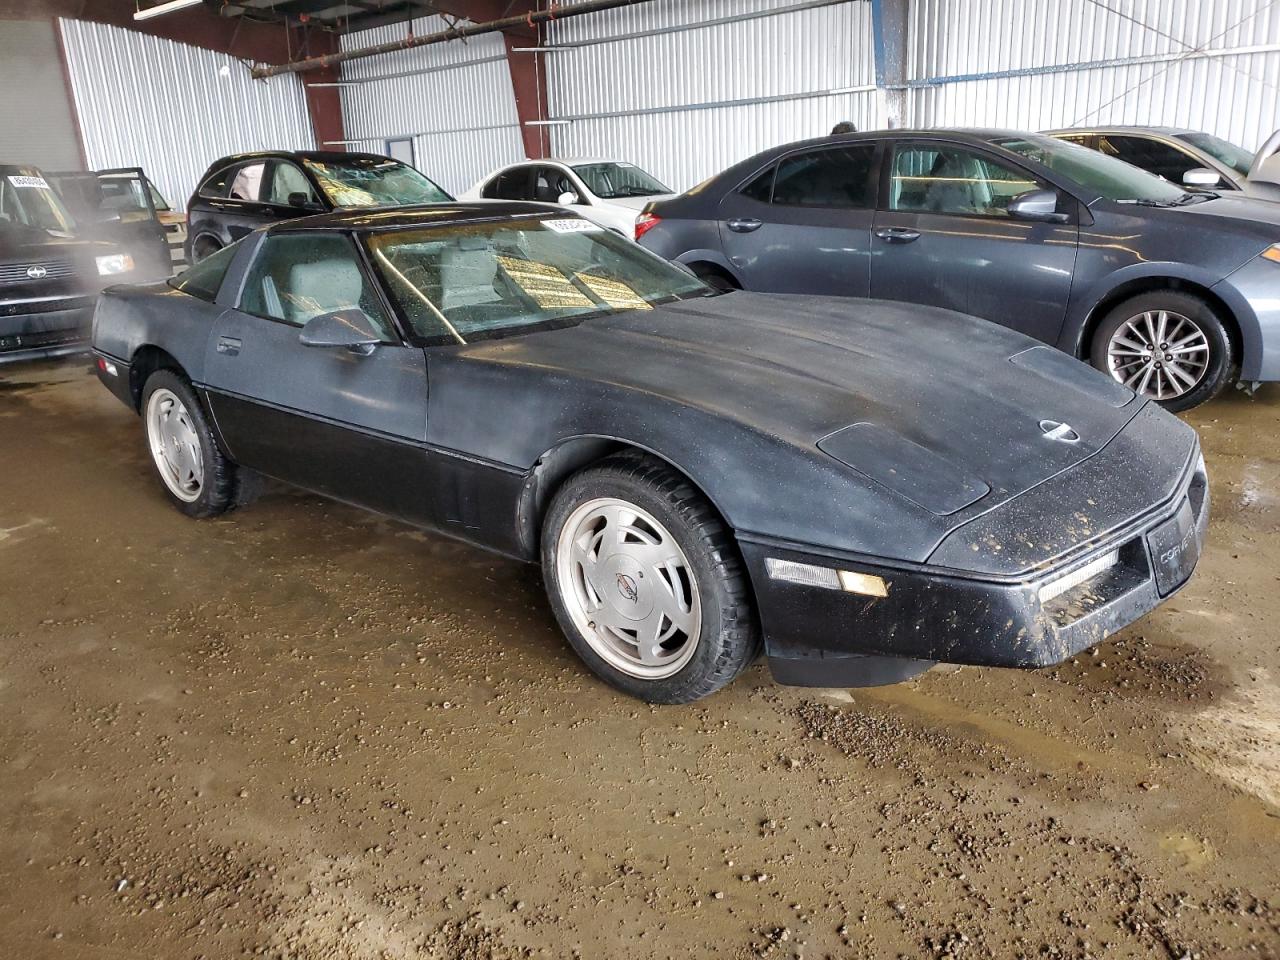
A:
{"points": [[573, 225], [36, 183]]}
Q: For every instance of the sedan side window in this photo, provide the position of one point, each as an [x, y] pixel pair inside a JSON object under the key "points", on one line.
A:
{"points": [[549, 183], [1150, 155], [510, 185], [761, 188], [290, 186], [839, 177], [247, 183], [935, 179], [297, 276]]}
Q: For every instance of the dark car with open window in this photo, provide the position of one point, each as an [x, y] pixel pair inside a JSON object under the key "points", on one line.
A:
{"points": [[1174, 293], [51, 270], [240, 193]]}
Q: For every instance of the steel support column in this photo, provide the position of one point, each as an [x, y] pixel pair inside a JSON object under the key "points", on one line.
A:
{"points": [[889, 23]]}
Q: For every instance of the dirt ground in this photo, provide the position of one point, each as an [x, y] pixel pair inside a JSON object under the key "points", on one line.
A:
{"points": [[302, 731]]}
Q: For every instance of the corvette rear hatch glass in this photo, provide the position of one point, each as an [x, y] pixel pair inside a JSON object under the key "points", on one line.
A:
{"points": [[479, 281]]}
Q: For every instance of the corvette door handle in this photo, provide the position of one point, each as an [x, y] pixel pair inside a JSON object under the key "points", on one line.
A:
{"points": [[229, 345], [744, 225], [897, 234]]}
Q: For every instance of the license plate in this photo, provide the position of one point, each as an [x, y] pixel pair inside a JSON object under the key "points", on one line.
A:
{"points": [[1174, 549]]}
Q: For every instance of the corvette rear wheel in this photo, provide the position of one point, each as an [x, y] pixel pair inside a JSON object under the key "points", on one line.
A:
{"points": [[199, 480], [1168, 346], [646, 583]]}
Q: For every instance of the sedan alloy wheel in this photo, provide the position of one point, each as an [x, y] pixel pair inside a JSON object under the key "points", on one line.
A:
{"points": [[1159, 354]]}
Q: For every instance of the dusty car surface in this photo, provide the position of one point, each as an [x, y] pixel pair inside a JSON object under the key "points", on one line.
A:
{"points": [[863, 488]]}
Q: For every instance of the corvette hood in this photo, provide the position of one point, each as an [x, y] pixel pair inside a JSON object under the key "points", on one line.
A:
{"points": [[945, 410]]}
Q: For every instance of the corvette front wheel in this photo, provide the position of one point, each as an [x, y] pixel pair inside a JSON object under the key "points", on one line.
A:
{"points": [[646, 581]]}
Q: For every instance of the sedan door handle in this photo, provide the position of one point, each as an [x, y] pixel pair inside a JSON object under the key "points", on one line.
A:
{"points": [[229, 345], [897, 234], [744, 224]]}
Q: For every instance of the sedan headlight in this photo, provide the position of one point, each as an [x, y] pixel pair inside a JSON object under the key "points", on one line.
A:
{"points": [[1272, 253], [114, 263]]}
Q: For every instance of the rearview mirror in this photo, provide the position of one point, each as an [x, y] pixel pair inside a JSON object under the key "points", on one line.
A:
{"points": [[1041, 205], [568, 198], [1201, 177], [343, 328]]}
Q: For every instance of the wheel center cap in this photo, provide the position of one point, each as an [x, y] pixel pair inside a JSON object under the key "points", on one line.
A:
{"points": [[625, 589]]}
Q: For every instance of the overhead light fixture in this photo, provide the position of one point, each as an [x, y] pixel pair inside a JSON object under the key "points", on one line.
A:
{"points": [[170, 6], [547, 123]]}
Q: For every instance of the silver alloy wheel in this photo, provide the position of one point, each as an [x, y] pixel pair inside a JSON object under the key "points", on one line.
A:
{"points": [[629, 588], [1159, 353], [175, 446]]}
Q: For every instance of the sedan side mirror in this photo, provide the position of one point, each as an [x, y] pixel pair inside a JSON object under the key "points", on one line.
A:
{"points": [[1201, 177], [1039, 205], [568, 199], [342, 328], [303, 201]]}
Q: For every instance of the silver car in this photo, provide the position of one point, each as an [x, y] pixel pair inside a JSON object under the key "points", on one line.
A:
{"points": [[1190, 158]]}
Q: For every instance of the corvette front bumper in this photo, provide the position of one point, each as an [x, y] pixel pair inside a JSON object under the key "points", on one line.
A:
{"points": [[828, 637]]}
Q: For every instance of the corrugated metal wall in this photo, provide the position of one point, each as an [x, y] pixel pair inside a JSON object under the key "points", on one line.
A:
{"points": [[456, 101], [36, 125], [173, 109], [672, 101], [1037, 64]]}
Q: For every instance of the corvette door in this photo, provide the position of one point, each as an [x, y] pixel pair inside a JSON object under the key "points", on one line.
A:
{"points": [[804, 225], [946, 240], [329, 419]]}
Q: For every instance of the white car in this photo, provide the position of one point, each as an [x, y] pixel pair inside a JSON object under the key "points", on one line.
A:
{"points": [[610, 192]]}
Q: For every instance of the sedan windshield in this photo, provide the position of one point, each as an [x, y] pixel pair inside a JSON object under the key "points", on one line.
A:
{"points": [[1237, 158], [609, 181], [1113, 179], [26, 200], [478, 281], [374, 182]]}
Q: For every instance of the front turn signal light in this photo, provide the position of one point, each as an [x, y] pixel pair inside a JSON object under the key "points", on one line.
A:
{"points": [[1272, 253]]}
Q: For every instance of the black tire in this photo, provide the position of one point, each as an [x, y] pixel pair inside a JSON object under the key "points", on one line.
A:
{"points": [[204, 247], [220, 489], [1222, 368], [715, 277], [729, 639]]}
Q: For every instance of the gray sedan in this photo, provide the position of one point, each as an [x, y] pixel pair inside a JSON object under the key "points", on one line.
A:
{"points": [[1173, 293]]}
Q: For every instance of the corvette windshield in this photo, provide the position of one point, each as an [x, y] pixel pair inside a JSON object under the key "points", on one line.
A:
{"points": [[1113, 179], [374, 182], [27, 200], [609, 181], [478, 281]]}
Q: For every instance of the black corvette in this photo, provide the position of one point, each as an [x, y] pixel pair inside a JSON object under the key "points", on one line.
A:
{"points": [[863, 488]]}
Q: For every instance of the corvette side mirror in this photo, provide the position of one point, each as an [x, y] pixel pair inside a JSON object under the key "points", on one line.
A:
{"points": [[1039, 205], [1201, 177], [343, 328]]}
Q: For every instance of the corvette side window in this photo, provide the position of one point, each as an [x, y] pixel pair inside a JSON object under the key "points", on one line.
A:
{"points": [[937, 179], [204, 279], [297, 276]]}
